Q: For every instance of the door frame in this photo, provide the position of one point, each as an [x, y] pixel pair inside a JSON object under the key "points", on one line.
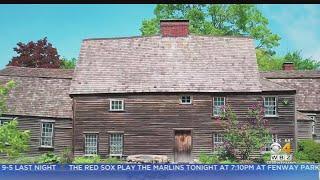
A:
{"points": [[174, 140]]}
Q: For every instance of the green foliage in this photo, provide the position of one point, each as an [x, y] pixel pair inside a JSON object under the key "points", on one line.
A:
{"points": [[87, 159], [68, 63], [244, 138], [112, 160], [95, 159], [266, 157], [12, 140], [267, 62], [49, 158], [229, 162], [20, 160], [208, 158], [307, 151], [66, 156], [4, 91], [217, 19]]}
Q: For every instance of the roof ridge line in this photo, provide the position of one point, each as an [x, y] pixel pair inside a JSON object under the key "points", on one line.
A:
{"points": [[45, 77]]}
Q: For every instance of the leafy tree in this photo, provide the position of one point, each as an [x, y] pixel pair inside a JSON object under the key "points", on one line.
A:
{"points": [[243, 138], [216, 19], [12, 141], [267, 62], [68, 63], [38, 54]]}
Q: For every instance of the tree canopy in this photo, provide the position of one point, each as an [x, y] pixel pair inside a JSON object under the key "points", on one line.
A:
{"points": [[40, 54], [68, 63], [267, 62]]}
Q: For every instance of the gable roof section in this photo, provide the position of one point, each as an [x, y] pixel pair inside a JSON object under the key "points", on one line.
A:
{"points": [[306, 83], [297, 74], [38, 92], [166, 64], [268, 85]]}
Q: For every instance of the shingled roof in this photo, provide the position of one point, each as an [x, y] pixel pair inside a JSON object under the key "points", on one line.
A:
{"points": [[296, 74], [38, 92], [166, 64], [306, 83], [268, 85]]}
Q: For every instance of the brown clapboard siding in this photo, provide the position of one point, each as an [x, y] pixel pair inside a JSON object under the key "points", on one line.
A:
{"points": [[62, 134], [317, 130], [149, 120], [304, 130], [305, 127]]}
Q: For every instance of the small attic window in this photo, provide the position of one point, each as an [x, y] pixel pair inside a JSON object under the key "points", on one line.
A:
{"points": [[186, 99], [116, 105]]}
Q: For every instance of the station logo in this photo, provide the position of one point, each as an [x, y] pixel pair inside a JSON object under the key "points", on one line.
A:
{"points": [[281, 154]]}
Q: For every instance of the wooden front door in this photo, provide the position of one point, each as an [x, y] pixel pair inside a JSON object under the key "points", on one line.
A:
{"points": [[183, 146]]}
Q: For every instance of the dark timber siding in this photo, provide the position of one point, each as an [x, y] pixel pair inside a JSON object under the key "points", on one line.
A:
{"points": [[62, 134], [305, 128], [149, 120]]}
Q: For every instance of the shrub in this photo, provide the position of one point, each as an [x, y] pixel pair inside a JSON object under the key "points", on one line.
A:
{"points": [[307, 151], [208, 158], [13, 141], [266, 157], [229, 162], [87, 159], [112, 160], [66, 156], [242, 139], [228, 153], [49, 158]]}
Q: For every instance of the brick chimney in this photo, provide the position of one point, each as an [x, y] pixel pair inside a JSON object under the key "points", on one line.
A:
{"points": [[174, 28], [288, 66]]}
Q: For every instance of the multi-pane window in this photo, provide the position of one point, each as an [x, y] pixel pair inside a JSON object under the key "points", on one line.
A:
{"points": [[3, 121], [116, 105], [217, 141], [218, 105], [47, 134], [313, 123], [186, 99], [91, 144], [270, 106], [116, 144], [274, 138]]}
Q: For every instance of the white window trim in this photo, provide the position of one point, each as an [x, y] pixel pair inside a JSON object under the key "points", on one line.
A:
{"points": [[213, 106], [97, 138], [4, 120], [214, 142], [110, 107], [313, 123], [191, 99], [122, 147], [276, 105], [313, 127], [49, 122]]}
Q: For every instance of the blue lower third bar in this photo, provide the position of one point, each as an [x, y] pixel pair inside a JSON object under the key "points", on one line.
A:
{"points": [[160, 171]]}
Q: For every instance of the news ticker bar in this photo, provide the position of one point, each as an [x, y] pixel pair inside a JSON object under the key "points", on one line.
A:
{"points": [[158, 167]]}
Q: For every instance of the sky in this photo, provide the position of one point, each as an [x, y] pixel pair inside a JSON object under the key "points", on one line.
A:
{"points": [[66, 26]]}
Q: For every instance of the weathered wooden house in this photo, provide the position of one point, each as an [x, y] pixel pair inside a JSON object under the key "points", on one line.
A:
{"points": [[42, 105], [158, 95], [307, 85], [162, 94]]}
